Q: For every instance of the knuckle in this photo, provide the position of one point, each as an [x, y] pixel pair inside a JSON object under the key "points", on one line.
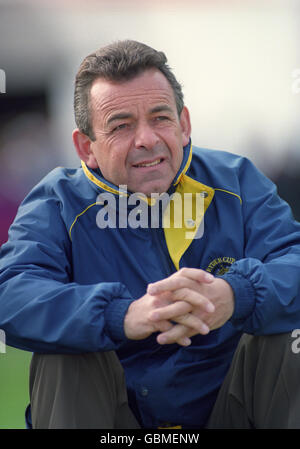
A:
{"points": [[154, 301], [187, 307], [184, 318], [183, 271], [179, 294]]}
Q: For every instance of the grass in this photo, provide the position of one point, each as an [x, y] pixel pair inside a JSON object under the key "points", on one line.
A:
{"points": [[14, 388]]}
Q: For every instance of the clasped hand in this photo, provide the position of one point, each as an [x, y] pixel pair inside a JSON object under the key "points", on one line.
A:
{"points": [[189, 302]]}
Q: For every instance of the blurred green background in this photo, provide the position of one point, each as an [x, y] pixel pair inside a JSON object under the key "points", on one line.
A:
{"points": [[14, 388]]}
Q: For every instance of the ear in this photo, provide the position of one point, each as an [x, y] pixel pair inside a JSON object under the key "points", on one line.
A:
{"points": [[186, 127], [83, 147]]}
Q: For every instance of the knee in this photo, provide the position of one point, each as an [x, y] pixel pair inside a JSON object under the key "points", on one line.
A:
{"points": [[70, 368], [279, 351]]}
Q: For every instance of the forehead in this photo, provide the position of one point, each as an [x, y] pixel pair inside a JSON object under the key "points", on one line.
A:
{"points": [[148, 88]]}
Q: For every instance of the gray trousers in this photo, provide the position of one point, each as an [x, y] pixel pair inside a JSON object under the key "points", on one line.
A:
{"points": [[85, 391], [261, 389]]}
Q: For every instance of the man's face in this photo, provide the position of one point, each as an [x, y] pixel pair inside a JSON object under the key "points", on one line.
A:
{"points": [[139, 136]]}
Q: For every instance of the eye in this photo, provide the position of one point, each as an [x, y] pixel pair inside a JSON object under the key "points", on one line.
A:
{"points": [[161, 118], [120, 127]]}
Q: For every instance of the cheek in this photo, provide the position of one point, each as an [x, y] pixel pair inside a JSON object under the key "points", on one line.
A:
{"points": [[176, 146], [174, 136], [111, 157], [116, 162]]}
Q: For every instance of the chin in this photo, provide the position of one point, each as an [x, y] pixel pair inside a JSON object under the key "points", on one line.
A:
{"points": [[155, 189], [157, 186]]}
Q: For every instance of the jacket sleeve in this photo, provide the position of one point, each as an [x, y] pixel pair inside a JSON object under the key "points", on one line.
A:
{"points": [[41, 308], [266, 282]]}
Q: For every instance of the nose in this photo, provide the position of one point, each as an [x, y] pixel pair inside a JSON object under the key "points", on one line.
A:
{"points": [[145, 136]]}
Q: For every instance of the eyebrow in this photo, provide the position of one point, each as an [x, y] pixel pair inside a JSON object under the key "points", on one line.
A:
{"points": [[119, 116], [161, 108], [126, 115]]}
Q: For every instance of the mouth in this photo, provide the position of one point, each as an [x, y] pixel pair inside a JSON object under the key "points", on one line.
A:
{"points": [[148, 163]]}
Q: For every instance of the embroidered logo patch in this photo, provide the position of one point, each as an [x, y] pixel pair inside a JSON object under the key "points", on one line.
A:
{"points": [[220, 265]]}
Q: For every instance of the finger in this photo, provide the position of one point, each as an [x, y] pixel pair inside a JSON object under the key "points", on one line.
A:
{"points": [[194, 298], [184, 341], [170, 312], [162, 300], [189, 296], [163, 326], [190, 321], [179, 331], [178, 280], [180, 334]]}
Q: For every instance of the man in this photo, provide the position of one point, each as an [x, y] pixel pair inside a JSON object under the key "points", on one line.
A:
{"points": [[79, 285]]}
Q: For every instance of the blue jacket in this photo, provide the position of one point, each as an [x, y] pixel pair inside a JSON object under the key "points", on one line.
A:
{"points": [[66, 284]]}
